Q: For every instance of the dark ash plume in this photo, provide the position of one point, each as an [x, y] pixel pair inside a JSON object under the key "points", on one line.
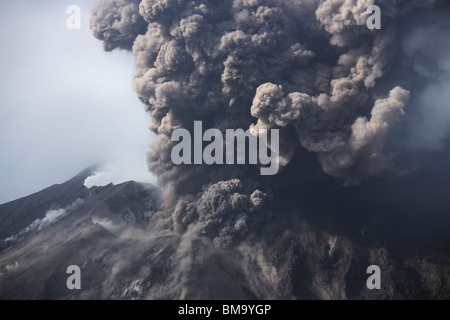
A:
{"points": [[309, 68], [117, 23]]}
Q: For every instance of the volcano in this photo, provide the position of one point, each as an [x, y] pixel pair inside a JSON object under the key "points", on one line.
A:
{"points": [[106, 231]]}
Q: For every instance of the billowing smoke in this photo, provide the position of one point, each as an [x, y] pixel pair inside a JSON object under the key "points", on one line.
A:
{"points": [[310, 68], [117, 23]]}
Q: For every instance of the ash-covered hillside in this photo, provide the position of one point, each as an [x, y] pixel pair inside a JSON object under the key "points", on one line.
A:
{"points": [[109, 233], [68, 224]]}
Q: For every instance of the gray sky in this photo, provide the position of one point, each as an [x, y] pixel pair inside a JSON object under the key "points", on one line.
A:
{"points": [[64, 103]]}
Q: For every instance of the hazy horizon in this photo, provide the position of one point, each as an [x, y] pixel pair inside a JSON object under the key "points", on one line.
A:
{"points": [[65, 104]]}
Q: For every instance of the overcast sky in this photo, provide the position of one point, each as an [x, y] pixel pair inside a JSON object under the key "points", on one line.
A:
{"points": [[64, 103]]}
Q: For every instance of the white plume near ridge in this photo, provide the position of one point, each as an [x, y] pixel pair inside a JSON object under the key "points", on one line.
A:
{"points": [[51, 216]]}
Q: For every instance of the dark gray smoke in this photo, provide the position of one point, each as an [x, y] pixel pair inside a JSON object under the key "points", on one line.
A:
{"points": [[312, 69], [117, 23]]}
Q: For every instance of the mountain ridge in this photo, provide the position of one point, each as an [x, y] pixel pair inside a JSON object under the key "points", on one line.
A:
{"points": [[109, 233]]}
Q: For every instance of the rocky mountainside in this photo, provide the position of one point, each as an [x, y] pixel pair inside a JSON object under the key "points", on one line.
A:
{"points": [[107, 232], [67, 224]]}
